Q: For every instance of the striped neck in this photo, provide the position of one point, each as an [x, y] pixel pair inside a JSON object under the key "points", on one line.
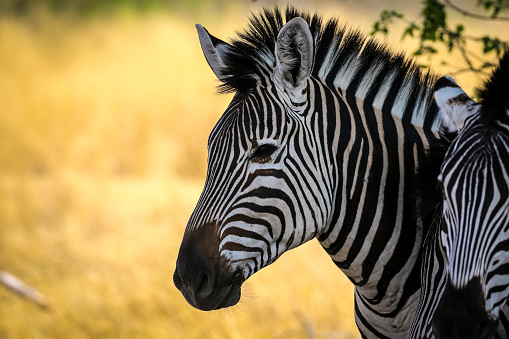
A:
{"points": [[382, 131]]}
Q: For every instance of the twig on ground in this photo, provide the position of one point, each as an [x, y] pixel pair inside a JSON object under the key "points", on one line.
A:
{"points": [[19, 287]]}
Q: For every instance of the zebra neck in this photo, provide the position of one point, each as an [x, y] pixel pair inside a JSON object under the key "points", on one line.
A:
{"points": [[374, 233], [394, 84]]}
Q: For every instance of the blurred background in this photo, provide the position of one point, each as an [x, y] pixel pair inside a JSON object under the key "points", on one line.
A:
{"points": [[105, 111]]}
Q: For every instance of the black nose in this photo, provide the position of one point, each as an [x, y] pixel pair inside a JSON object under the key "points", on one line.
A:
{"points": [[204, 278], [461, 313], [194, 273]]}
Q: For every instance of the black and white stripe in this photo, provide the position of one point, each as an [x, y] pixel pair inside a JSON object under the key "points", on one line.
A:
{"points": [[323, 139], [470, 294]]}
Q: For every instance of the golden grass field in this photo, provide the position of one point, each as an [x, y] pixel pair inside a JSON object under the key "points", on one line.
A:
{"points": [[103, 131]]}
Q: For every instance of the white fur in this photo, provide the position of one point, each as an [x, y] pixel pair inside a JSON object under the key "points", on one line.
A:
{"points": [[296, 31], [455, 106], [213, 54]]}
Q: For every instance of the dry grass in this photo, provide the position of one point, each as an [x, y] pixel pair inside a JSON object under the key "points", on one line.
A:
{"points": [[103, 127]]}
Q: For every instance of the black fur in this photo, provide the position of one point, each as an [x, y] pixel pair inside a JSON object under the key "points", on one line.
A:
{"points": [[444, 82], [428, 187], [495, 94]]}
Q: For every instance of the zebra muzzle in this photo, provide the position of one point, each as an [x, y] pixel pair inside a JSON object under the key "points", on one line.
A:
{"points": [[202, 276], [461, 313]]}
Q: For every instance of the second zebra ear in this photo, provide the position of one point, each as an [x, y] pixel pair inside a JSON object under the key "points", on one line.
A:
{"points": [[294, 52], [214, 50], [454, 104]]}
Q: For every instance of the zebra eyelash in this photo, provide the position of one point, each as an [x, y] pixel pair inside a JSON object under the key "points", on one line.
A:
{"points": [[263, 152]]}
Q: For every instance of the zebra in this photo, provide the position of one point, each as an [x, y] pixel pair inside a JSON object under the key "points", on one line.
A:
{"points": [[469, 250], [322, 139], [475, 234]]}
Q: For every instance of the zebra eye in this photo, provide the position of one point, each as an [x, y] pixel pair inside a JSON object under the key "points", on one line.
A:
{"points": [[264, 151]]}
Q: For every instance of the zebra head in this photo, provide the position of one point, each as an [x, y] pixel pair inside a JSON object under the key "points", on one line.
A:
{"points": [[475, 231], [266, 191]]}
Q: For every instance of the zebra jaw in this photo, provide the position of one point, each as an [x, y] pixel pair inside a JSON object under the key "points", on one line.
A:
{"points": [[205, 280]]}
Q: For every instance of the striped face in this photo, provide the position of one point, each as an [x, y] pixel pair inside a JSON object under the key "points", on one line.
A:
{"points": [[475, 177], [264, 186], [475, 231], [266, 189]]}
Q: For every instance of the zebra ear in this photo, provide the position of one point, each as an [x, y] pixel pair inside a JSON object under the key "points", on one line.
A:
{"points": [[214, 50], [294, 52], [454, 104]]}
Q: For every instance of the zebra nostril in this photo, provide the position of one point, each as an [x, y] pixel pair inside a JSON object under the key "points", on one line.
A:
{"points": [[205, 286]]}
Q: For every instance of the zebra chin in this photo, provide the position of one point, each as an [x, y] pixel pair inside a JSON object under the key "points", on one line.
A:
{"points": [[203, 277], [461, 313], [208, 298]]}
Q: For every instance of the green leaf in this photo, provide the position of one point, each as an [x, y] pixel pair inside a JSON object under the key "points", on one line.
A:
{"points": [[418, 52], [432, 30], [434, 16], [496, 6], [423, 49], [409, 30], [493, 45], [386, 18]]}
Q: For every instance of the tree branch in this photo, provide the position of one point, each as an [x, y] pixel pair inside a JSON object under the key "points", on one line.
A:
{"points": [[474, 15]]}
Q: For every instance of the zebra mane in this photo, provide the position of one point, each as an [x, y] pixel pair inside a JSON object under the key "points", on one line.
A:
{"points": [[495, 94], [342, 57]]}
